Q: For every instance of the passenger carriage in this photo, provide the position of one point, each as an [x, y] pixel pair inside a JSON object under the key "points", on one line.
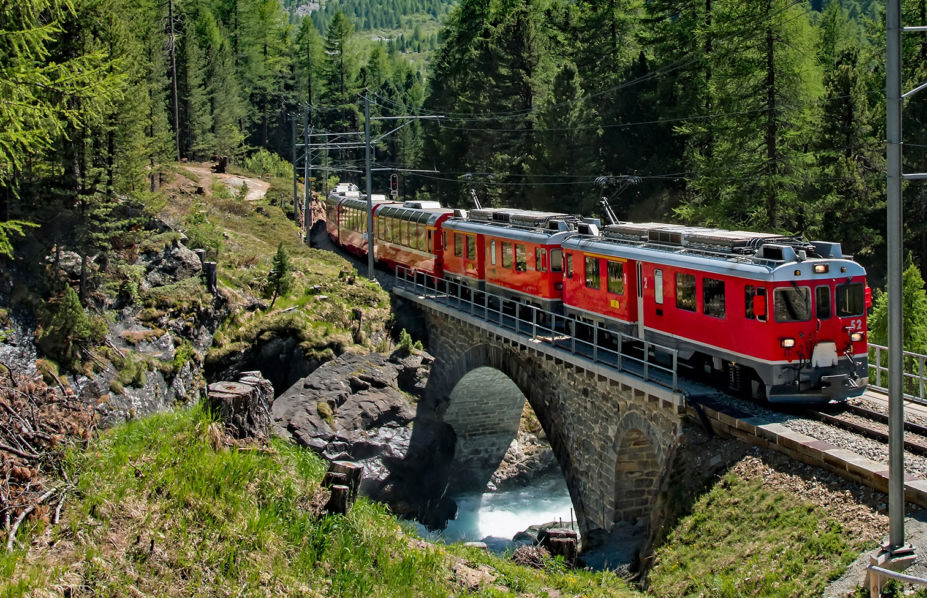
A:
{"points": [[337, 195], [352, 222], [512, 253], [408, 235]]}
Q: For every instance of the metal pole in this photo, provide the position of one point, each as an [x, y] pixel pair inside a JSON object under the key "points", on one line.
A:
{"points": [[893, 105], [369, 187]]}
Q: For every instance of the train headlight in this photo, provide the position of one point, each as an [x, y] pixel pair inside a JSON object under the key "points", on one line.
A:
{"points": [[856, 337], [821, 268], [787, 343]]}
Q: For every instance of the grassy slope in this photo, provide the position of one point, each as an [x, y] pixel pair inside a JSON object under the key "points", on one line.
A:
{"points": [[247, 235], [162, 508], [744, 539]]}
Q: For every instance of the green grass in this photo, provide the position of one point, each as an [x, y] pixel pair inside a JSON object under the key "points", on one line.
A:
{"points": [[159, 510], [742, 539]]}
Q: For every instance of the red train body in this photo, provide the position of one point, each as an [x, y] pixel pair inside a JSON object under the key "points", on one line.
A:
{"points": [[768, 315]]}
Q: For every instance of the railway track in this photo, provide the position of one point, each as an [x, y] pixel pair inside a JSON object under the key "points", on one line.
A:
{"points": [[871, 424]]}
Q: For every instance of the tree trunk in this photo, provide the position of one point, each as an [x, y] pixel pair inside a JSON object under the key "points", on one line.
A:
{"points": [[771, 128], [708, 51], [171, 44]]}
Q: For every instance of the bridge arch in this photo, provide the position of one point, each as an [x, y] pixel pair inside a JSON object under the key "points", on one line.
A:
{"points": [[613, 436], [486, 422]]}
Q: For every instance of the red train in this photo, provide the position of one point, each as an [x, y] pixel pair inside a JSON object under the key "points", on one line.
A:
{"points": [[773, 317]]}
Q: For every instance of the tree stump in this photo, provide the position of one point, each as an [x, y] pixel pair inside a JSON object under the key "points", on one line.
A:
{"points": [[561, 542], [340, 501], [243, 407], [353, 472], [210, 272]]}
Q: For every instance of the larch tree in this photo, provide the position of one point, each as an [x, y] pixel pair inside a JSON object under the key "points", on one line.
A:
{"points": [[764, 86]]}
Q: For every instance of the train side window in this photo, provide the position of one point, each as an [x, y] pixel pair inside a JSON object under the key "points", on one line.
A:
{"points": [[492, 252], [422, 244], [406, 237], [658, 286], [569, 265], [430, 241], [713, 297], [444, 239], [822, 302], [793, 304], [556, 260], [615, 277], [471, 247], [685, 291], [540, 260], [851, 300], [458, 245], [521, 258], [593, 279], [750, 292], [506, 255]]}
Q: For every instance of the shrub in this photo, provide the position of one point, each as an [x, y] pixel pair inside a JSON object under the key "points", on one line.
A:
{"points": [[264, 162], [201, 233], [67, 327], [406, 345]]}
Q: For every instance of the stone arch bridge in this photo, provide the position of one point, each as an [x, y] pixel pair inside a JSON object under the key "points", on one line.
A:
{"points": [[614, 435]]}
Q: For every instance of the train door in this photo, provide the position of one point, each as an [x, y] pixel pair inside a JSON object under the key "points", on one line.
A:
{"points": [[640, 300]]}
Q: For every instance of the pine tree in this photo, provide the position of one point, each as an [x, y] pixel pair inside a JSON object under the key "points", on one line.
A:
{"points": [[565, 145], [45, 91], [309, 60], [222, 86], [340, 64], [280, 278], [848, 149], [197, 139]]}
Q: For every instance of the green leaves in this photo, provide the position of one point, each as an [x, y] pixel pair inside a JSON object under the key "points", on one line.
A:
{"points": [[44, 93]]}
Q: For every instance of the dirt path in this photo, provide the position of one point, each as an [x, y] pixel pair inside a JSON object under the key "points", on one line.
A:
{"points": [[257, 188]]}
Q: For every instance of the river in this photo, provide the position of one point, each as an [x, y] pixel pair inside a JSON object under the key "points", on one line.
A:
{"points": [[495, 517]]}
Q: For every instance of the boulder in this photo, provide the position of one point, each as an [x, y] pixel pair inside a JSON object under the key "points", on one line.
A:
{"points": [[358, 408], [172, 264]]}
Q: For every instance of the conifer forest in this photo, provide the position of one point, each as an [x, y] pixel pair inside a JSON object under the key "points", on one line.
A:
{"points": [[743, 114]]}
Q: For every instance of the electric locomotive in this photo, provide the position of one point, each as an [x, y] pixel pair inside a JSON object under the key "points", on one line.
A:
{"points": [[771, 316]]}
